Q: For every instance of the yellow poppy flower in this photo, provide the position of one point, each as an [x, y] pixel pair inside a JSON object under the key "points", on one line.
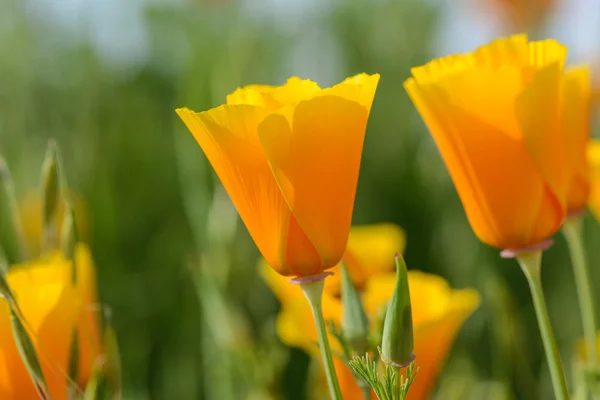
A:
{"points": [[576, 124], [438, 313], [52, 308], [495, 117], [594, 161], [289, 158]]}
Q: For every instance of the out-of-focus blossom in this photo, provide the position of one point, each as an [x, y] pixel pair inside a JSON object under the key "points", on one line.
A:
{"points": [[52, 308], [438, 313], [289, 158], [495, 117], [523, 14]]}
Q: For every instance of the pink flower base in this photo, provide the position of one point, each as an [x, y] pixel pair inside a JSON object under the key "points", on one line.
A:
{"points": [[299, 280], [512, 253]]}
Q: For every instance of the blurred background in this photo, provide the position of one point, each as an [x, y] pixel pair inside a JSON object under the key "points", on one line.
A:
{"points": [[104, 78]]}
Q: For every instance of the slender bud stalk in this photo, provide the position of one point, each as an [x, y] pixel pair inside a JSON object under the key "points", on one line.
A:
{"points": [[530, 263], [312, 286]]}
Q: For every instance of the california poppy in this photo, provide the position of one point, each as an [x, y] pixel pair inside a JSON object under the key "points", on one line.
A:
{"points": [[289, 158], [495, 117]]}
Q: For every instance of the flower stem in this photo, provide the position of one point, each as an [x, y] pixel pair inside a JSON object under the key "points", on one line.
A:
{"points": [[366, 390], [314, 292], [530, 263], [399, 382], [572, 232]]}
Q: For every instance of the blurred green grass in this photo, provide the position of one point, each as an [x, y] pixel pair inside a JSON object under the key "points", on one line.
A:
{"points": [[149, 189]]}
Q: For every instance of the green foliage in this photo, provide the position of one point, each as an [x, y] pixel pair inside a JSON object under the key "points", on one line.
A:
{"points": [[387, 385]]}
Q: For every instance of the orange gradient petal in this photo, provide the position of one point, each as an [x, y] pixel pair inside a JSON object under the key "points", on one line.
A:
{"points": [[228, 137], [316, 163], [49, 304], [593, 156]]}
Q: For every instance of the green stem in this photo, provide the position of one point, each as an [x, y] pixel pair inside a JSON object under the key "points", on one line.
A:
{"points": [[399, 382], [530, 263], [314, 292], [572, 232], [366, 390]]}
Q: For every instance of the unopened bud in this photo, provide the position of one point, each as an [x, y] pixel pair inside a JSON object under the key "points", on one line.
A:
{"points": [[50, 196], [397, 340], [68, 233], [355, 325], [11, 237]]}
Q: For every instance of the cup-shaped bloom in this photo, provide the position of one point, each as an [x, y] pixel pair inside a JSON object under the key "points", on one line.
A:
{"points": [[576, 101], [52, 308], [289, 159], [594, 163], [495, 117]]}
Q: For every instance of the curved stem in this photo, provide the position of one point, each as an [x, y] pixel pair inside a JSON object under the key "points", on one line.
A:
{"points": [[530, 263], [366, 390], [572, 232], [314, 292]]}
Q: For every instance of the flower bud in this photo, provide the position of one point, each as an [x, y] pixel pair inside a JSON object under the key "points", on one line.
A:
{"points": [[50, 196], [355, 325], [11, 239], [397, 340]]}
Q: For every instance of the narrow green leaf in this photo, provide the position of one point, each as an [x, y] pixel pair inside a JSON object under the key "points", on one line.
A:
{"points": [[29, 355]]}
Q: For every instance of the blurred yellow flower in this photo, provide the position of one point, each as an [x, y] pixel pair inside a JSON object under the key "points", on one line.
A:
{"points": [[52, 307], [289, 158], [576, 124], [30, 211], [438, 310], [495, 117], [594, 161]]}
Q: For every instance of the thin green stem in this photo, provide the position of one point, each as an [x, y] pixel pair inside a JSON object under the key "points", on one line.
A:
{"points": [[314, 292], [530, 263], [366, 390], [398, 382], [572, 232]]}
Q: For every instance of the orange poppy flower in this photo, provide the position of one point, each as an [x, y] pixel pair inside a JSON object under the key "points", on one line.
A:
{"points": [[52, 307], [576, 124], [495, 117], [289, 158]]}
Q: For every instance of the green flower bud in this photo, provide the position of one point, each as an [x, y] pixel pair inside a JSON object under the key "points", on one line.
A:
{"points": [[50, 196], [69, 237], [11, 238], [355, 325], [397, 341]]}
